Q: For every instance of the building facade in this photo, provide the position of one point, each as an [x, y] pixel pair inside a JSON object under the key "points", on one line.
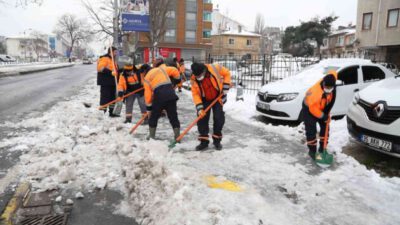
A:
{"points": [[340, 43], [28, 48], [222, 23], [235, 43], [188, 34], [378, 30]]}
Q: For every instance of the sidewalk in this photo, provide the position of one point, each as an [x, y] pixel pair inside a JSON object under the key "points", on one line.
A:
{"points": [[27, 69]]}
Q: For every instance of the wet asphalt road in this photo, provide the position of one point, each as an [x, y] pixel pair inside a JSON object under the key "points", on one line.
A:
{"points": [[29, 96]]}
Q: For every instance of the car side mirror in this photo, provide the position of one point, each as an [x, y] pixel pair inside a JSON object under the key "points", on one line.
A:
{"points": [[339, 83]]}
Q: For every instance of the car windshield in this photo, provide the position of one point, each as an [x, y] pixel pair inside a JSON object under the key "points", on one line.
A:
{"points": [[329, 68]]}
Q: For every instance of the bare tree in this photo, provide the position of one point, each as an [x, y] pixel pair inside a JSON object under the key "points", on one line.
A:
{"points": [[158, 11], [102, 16], [38, 44], [261, 29], [76, 30]]}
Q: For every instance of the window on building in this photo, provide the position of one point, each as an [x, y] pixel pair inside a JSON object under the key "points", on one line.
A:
{"points": [[171, 14], [367, 21], [349, 75], [372, 73], [191, 16], [207, 1], [207, 16], [248, 43], [326, 42], [170, 35], [340, 41], [393, 17], [206, 34], [231, 41], [190, 36]]}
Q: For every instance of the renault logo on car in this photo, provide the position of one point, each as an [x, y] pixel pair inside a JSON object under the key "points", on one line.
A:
{"points": [[379, 109], [266, 95]]}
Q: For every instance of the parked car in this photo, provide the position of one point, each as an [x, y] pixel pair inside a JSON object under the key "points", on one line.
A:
{"points": [[392, 67], [87, 61], [7, 58], [282, 100], [374, 117], [233, 67]]}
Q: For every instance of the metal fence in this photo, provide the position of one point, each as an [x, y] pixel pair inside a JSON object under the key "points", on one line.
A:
{"points": [[252, 73]]}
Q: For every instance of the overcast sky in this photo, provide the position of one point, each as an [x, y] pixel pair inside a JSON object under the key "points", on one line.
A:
{"points": [[281, 13]]}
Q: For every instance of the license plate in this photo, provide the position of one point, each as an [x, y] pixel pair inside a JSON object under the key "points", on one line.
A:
{"points": [[377, 143], [262, 105]]}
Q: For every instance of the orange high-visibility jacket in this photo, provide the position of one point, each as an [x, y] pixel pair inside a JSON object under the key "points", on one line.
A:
{"points": [[317, 101], [220, 79], [157, 84], [130, 83], [105, 70]]}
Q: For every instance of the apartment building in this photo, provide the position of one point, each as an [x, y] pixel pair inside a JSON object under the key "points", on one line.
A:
{"points": [[340, 43], [188, 35], [236, 43], [378, 29], [27, 48]]}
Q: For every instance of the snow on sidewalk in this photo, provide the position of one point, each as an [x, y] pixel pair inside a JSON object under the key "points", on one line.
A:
{"points": [[26, 68], [81, 148]]}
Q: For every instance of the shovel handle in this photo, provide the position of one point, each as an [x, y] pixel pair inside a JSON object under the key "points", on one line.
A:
{"points": [[326, 133], [119, 99], [138, 123], [197, 119]]}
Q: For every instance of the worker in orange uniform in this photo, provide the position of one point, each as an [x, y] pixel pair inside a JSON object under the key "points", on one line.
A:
{"points": [[317, 104], [107, 77], [130, 81], [209, 81], [160, 95]]}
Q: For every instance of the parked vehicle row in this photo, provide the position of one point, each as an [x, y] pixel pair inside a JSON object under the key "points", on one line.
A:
{"points": [[367, 92], [7, 58]]}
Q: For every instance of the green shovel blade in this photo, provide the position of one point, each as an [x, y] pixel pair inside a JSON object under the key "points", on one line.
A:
{"points": [[324, 159]]}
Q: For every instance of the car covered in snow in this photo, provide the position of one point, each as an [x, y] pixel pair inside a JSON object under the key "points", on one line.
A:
{"points": [[87, 61], [374, 117], [282, 100]]}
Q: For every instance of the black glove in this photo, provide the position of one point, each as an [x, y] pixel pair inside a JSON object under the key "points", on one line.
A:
{"points": [[224, 99], [120, 94]]}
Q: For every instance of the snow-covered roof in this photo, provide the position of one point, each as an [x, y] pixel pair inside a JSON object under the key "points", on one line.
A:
{"points": [[242, 33], [343, 31]]}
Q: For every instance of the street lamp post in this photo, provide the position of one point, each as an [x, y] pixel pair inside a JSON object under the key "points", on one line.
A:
{"points": [[116, 24]]}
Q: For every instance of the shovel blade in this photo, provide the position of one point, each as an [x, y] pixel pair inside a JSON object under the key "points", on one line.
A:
{"points": [[118, 108], [324, 159]]}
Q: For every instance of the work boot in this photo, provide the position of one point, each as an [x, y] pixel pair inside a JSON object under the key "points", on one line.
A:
{"points": [[128, 120], [202, 146], [152, 133], [111, 114], [312, 149], [217, 144], [177, 132]]}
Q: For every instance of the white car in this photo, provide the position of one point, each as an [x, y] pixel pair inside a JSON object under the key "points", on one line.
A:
{"points": [[374, 117], [282, 100]]}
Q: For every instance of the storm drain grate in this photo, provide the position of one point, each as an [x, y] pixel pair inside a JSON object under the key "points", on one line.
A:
{"points": [[46, 220]]}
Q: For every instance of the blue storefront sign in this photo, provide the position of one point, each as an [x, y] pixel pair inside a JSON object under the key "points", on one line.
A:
{"points": [[135, 22], [52, 43]]}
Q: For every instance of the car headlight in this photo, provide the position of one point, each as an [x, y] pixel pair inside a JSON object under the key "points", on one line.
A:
{"points": [[286, 97], [356, 99]]}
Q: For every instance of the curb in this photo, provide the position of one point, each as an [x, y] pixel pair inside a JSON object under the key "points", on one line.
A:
{"points": [[16, 201], [33, 71]]}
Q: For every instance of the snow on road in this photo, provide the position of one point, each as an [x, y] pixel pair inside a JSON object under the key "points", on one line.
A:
{"points": [[81, 148]]}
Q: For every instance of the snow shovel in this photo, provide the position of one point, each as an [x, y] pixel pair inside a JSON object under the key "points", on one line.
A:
{"points": [[138, 123], [174, 142], [118, 108], [324, 159], [119, 99]]}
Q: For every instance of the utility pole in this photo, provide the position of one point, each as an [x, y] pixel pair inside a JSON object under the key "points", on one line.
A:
{"points": [[116, 24]]}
